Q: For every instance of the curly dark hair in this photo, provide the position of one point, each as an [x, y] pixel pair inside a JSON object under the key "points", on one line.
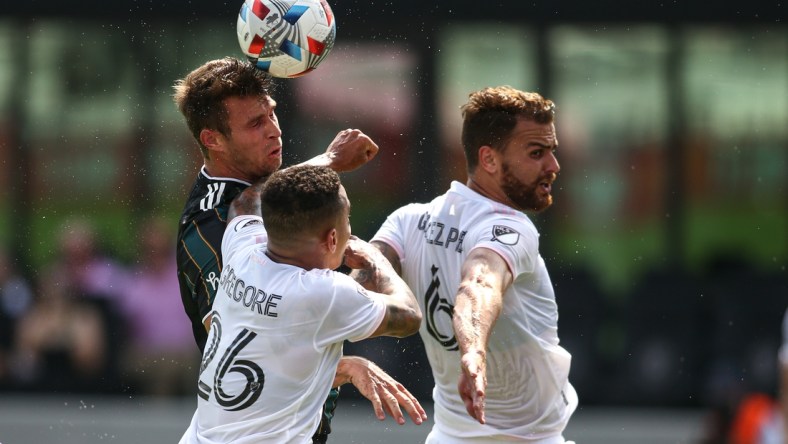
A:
{"points": [[200, 95], [300, 199], [492, 113]]}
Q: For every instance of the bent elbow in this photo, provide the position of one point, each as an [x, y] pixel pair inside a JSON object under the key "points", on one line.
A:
{"points": [[416, 324], [411, 326]]}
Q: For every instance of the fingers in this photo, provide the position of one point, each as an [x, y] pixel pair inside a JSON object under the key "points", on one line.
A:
{"points": [[466, 396], [391, 404], [377, 405], [478, 406], [350, 149], [412, 406], [399, 398], [472, 386], [384, 392]]}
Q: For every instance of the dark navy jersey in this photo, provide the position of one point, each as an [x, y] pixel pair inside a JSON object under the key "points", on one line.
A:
{"points": [[199, 245]]}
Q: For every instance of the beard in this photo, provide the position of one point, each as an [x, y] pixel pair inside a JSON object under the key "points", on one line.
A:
{"points": [[526, 197]]}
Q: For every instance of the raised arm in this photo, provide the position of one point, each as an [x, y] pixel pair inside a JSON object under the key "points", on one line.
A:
{"points": [[374, 272], [484, 278], [349, 150]]}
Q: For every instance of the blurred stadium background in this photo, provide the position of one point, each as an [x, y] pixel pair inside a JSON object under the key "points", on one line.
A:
{"points": [[667, 244]]}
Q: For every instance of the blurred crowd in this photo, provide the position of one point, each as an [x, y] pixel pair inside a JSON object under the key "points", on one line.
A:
{"points": [[89, 323]]}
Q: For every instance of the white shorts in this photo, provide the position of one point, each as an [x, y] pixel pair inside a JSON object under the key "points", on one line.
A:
{"points": [[438, 437]]}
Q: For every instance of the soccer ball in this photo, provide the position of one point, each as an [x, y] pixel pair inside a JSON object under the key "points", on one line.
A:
{"points": [[286, 38]]}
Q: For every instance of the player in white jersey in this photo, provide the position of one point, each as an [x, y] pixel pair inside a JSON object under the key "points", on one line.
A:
{"points": [[471, 257], [282, 314]]}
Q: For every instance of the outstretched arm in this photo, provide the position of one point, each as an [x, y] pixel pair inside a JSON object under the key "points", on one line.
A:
{"points": [[386, 394], [484, 278]]}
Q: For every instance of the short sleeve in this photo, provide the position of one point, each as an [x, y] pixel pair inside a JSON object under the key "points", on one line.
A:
{"points": [[516, 241], [393, 230], [353, 313], [241, 232]]}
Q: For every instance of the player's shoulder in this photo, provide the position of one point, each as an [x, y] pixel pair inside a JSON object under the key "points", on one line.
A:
{"points": [[244, 222], [503, 225], [414, 208], [211, 194]]}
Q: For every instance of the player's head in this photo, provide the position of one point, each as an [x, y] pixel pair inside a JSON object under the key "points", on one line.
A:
{"points": [[201, 94], [306, 204], [509, 136], [492, 113]]}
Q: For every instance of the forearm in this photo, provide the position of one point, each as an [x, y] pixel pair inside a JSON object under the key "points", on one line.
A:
{"points": [[323, 160], [475, 312], [381, 277]]}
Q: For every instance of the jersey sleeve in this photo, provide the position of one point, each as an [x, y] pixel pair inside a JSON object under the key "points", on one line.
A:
{"points": [[200, 264], [352, 313], [516, 241], [241, 232], [393, 230]]}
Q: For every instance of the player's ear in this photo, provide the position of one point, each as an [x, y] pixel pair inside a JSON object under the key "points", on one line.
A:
{"points": [[331, 240], [210, 139], [488, 160]]}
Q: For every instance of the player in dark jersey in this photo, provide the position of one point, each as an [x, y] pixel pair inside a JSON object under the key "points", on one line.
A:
{"points": [[229, 110]]}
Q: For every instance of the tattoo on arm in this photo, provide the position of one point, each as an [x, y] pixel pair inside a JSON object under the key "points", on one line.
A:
{"points": [[374, 279], [390, 254]]}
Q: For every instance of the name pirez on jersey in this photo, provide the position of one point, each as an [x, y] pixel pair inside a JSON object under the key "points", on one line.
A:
{"points": [[250, 296], [437, 233]]}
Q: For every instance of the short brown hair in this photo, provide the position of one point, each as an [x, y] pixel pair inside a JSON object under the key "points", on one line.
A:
{"points": [[200, 95], [492, 113], [300, 199]]}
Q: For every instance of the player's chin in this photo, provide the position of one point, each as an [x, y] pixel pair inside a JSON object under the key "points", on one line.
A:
{"points": [[542, 204], [270, 165]]}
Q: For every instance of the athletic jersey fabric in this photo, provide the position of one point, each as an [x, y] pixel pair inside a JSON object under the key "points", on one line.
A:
{"points": [[275, 341], [199, 238], [528, 394], [200, 234]]}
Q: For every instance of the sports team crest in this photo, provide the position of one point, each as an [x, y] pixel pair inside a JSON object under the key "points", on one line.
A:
{"points": [[505, 235]]}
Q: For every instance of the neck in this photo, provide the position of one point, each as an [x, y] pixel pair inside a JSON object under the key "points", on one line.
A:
{"points": [[490, 192], [307, 260], [483, 190], [218, 169]]}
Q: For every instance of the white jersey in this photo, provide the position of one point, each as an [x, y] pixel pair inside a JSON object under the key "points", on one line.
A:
{"points": [[528, 393], [274, 344]]}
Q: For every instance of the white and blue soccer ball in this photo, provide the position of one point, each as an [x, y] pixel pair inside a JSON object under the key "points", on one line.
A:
{"points": [[286, 38]]}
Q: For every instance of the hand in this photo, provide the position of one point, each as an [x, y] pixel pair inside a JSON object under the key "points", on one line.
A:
{"points": [[473, 383], [385, 393], [349, 150], [360, 254]]}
